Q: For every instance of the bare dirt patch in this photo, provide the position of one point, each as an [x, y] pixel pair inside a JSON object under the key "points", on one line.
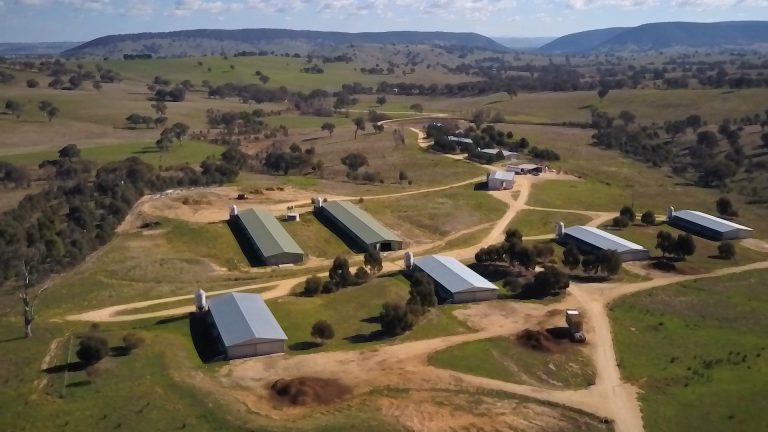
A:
{"points": [[305, 391]]}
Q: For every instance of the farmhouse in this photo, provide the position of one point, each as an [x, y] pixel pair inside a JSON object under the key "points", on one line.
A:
{"points": [[359, 226], [454, 281], [263, 233], [592, 240], [500, 180], [508, 155], [706, 226], [525, 169], [245, 326]]}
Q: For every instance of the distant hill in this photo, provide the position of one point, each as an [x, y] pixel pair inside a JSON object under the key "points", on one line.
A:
{"points": [[523, 42], [668, 35], [11, 49], [196, 42]]}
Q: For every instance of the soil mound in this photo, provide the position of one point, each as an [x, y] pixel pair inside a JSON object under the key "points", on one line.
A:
{"points": [[309, 390], [538, 340]]}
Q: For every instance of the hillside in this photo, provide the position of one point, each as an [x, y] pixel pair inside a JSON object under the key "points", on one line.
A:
{"points": [[10, 49], [523, 42], [197, 42], [656, 36]]}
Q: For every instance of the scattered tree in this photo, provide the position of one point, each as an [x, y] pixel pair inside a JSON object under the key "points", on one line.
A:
{"points": [[725, 207], [312, 286], [602, 92], [417, 108], [33, 83], [70, 152], [628, 213], [684, 246], [328, 127], [422, 295], [627, 117], [93, 348], [160, 108], [648, 218], [339, 274], [372, 260], [620, 222], [549, 282], [395, 319], [665, 242], [359, 125], [322, 331], [51, 113], [14, 108], [354, 161], [97, 86], [571, 257], [726, 250]]}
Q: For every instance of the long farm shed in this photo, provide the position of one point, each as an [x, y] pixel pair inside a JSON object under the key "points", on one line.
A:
{"points": [[708, 226], [456, 282], [593, 240], [267, 237], [245, 326], [365, 231]]}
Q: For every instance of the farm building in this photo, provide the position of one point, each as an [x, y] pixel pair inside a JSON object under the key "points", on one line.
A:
{"points": [[592, 240], [359, 226], [508, 155], [460, 140], [525, 169], [707, 226], [259, 230], [456, 282], [501, 180], [245, 326]]}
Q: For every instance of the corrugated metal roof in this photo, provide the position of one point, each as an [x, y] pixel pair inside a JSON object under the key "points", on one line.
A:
{"points": [[502, 175], [602, 239], [452, 274], [243, 319], [270, 237], [360, 222], [460, 139], [496, 151], [709, 221]]}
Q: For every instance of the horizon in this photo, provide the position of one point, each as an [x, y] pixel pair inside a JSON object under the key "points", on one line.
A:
{"points": [[39, 21]]}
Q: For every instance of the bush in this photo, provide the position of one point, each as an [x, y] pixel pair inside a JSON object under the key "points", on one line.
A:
{"points": [[620, 222], [648, 218], [133, 341], [628, 213], [726, 250], [395, 319], [322, 331], [92, 349], [312, 286]]}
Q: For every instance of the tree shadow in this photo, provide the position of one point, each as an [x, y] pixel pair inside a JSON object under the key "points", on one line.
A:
{"points": [[663, 265], [585, 107], [372, 320], [582, 278], [76, 366], [303, 346], [171, 320], [560, 333], [81, 383], [119, 351], [493, 272], [204, 339], [360, 338], [147, 150], [12, 339]]}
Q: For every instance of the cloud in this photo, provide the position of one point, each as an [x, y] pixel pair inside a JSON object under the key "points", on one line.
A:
{"points": [[140, 8], [95, 5], [277, 6], [624, 4], [186, 7], [466, 9]]}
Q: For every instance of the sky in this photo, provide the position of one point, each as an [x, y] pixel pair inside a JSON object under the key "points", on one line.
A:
{"points": [[82, 20]]}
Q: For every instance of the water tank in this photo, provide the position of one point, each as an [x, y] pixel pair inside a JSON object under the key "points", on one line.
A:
{"points": [[670, 213], [408, 260], [200, 303], [232, 210], [318, 202], [559, 229]]}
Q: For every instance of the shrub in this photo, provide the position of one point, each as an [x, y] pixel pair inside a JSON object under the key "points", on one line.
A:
{"points": [[395, 319], [620, 222], [312, 286], [133, 341], [322, 331], [629, 213], [726, 250], [648, 218], [93, 349]]}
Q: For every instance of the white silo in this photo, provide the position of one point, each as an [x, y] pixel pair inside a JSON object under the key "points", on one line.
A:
{"points": [[200, 303], [408, 260], [232, 210], [559, 229], [318, 202], [670, 213]]}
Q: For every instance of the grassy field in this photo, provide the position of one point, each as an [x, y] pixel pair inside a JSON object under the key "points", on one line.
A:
{"points": [[353, 314], [698, 352], [648, 105], [213, 241], [315, 239], [502, 358], [540, 222], [188, 152], [431, 216]]}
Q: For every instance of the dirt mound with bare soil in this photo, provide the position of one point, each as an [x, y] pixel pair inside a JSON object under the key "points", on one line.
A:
{"points": [[309, 390], [538, 340]]}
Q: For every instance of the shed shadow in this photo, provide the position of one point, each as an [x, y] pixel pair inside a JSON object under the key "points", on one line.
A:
{"points": [[204, 339], [249, 250]]}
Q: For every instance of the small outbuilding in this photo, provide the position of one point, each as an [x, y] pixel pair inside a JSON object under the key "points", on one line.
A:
{"points": [[506, 155], [358, 226], [263, 234], [454, 281], [524, 169], [707, 226], [245, 326], [592, 240], [501, 180]]}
